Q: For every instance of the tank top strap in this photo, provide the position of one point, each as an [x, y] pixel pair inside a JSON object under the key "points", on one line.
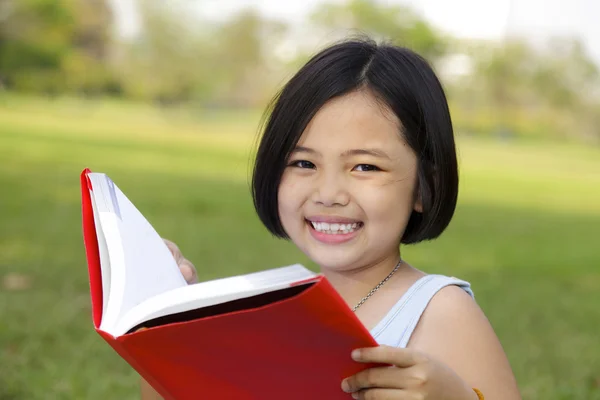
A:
{"points": [[396, 328]]}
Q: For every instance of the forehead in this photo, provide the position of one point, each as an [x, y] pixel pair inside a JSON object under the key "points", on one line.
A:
{"points": [[354, 120]]}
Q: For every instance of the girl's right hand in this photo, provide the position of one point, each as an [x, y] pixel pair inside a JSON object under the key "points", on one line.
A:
{"points": [[185, 266]]}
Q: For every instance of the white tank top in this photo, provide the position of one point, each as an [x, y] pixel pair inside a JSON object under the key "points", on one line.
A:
{"points": [[396, 328]]}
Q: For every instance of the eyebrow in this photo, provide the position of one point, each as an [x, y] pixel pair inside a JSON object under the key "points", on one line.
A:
{"points": [[353, 152]]}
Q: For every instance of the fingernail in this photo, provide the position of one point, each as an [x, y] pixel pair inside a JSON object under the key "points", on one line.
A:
{"points": [[355, 354], [355, 395], [345, 386]]}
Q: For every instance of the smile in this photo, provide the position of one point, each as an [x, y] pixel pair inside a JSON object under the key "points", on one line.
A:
{"points": [[334, 232], [334, 228]]}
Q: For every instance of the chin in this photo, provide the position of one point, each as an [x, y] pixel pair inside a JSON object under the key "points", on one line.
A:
{"points": [[341, 258]]}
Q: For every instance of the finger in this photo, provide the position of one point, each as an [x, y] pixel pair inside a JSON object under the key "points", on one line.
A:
{"points": [[174, 250], [379, 377], [186, 267], [399, 357], [382, 394], [188, 271]]}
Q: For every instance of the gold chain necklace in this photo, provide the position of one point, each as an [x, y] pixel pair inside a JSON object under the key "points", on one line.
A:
{"points": [[376, 288]]}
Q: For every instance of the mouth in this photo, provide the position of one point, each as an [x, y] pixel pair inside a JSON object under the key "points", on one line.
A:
{"points": [[334, 228]]}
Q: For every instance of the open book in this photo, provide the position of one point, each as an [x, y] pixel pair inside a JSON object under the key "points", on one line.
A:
{"points": [[140, 279], [287, 321]]}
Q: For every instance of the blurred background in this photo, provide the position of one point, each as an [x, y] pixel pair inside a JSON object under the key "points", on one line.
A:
{"points": [[166, 97]]}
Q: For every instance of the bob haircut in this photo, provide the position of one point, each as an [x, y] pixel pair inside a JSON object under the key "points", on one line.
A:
{"points": [[402, 81]]}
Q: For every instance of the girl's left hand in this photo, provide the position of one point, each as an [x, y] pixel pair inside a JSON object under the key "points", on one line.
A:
{"points": [[411, 375]]}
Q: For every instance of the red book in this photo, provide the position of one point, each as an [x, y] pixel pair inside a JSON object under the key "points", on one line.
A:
{"points": [[281, 333]]}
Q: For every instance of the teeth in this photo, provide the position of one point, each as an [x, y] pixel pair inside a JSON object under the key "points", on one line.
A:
{"points": [[334, 228]]}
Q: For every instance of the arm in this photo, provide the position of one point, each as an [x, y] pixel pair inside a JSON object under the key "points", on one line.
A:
{"points": [[468, 344]]}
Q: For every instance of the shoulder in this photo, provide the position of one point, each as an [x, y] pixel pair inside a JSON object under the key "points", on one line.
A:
{"points": [[454, 329], [456, 313], [452, 301]]}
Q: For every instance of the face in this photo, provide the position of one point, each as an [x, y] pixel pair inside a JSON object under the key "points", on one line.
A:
{"points": [[349, 187]]}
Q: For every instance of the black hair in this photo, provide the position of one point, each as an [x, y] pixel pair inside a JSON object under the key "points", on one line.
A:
{"points": [[400, 79]]}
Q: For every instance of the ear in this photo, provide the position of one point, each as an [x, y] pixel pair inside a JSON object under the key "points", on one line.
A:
{"points": [[418, 206], [417, 198]]}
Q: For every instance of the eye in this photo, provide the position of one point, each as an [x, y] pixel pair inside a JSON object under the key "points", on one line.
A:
{"points": [[302, 164], [366, 168]]}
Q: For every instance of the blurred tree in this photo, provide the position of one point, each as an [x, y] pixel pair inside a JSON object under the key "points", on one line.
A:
{"points": [[59, 46], [546, 91], [566, 76], [396, 23], [503, 72], [87, 65], [245, 46], [162, 63], [575, 87], [54, 45], [33, 41], [180, 57]]}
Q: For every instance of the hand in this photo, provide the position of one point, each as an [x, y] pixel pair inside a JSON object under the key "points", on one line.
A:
{"points": [[410, 375], [185, 266]]}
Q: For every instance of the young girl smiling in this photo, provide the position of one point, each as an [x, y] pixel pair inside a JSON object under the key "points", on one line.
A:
{"points": [[357, 158]]}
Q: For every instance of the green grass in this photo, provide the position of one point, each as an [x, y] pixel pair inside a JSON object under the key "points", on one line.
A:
{"points": [[525, 234]]}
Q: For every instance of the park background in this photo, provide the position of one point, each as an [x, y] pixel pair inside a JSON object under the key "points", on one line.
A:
{"points": [[166, 97]]}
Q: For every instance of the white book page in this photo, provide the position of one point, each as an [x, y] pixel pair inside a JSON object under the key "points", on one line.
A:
{"points": [[141, 265], [104, 259], [208, 293]]}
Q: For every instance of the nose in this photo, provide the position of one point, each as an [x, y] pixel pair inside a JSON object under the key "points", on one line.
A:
{"points": [[331, 190]]}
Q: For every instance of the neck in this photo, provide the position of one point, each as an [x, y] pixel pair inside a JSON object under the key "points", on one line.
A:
{"points": [[355, 283]]}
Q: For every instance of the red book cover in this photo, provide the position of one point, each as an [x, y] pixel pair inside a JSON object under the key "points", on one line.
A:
{"points": [[291, 344]]}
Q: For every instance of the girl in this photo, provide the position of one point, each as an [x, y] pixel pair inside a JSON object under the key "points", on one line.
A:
{"points": [[357, 158]]}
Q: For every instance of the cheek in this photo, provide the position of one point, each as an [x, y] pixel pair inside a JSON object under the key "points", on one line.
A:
{"points": [[389, 204], [289, 200]]}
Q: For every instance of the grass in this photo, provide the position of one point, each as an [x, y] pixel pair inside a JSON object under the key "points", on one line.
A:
{"points": [[525, 235]]}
